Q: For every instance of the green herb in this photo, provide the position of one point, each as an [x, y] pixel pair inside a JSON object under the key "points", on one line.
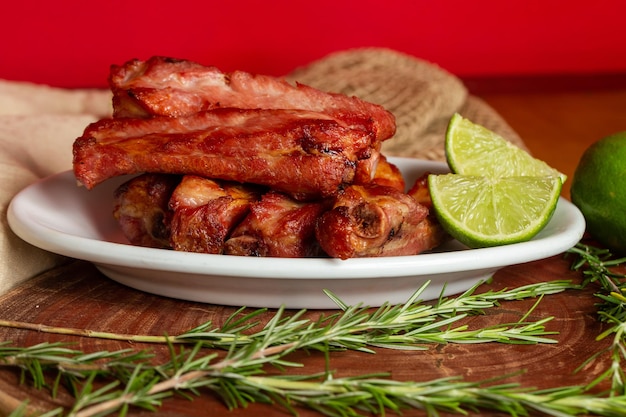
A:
{"points": [[406, 326], [239, 381], [111, 382], [598, 267]]}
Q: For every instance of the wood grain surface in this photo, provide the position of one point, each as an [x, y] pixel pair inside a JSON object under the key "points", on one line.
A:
{"points": [[78, 296]]}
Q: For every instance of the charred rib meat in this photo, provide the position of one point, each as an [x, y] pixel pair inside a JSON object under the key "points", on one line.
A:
{"points": [[305, 154], [278, 226], [372, 221], [247, 164], [141, 207], [205, 212], [171, 87]]}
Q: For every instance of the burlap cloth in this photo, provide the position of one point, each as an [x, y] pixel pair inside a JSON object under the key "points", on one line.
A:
{"points": [[38, 125]]}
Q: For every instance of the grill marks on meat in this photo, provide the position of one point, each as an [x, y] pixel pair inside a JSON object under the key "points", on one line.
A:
{"points": [[170, 87], [177, 116], [372, 220], [278, 226], [251, 165], [305, 154], [141, 207], [205, 212]]}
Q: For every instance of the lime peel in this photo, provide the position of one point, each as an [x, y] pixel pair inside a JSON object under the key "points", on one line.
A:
{"points": [[497, 193], [472, 149], [599, 191], [488, 211]]}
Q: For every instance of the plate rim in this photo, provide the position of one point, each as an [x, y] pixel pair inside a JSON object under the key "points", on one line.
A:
{"points": [[108, 253]]}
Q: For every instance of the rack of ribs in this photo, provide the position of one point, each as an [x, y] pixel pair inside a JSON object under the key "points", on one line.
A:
{"points": [[243, 164], [179, 117]]}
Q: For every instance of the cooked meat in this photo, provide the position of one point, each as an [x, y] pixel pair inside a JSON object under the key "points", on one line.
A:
{"points": [[205, 212], [278, 226], [141, 209], [373, 221], [171, 87], [433, 234], [419, 191], [388, 174], [305, 154], [251, 165], [197, 214]]}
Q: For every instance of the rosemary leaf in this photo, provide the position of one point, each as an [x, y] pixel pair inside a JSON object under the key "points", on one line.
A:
{"points": [[599, 268], [237, 375]]}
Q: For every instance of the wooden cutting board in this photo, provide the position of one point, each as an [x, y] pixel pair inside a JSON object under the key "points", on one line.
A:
{"points": [[76, 295]]}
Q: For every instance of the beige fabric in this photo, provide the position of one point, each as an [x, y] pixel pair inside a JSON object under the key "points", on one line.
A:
{"points": [[22, 98], [38, 125]]}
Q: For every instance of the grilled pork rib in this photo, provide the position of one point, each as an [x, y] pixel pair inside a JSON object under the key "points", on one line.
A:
{"points": [[247, 164], [141, 208], [171, 87], [177, 116], [305, 154], [205, 212], [372, 220], [278, 226], [203, 215]]}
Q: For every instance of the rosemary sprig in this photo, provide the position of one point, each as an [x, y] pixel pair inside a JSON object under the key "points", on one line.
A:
{"points": [[598, 266], [238, 376], [407, 326], [238, 380]]}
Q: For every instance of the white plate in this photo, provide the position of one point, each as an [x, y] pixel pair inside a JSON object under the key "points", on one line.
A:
{"points": [[57, 215]]}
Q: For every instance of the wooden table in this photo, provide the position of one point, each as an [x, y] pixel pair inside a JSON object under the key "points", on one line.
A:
{"points": [[558, 117], [557, 124]]}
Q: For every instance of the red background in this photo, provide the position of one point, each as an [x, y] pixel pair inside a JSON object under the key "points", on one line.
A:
{"points": [[72, 43]]}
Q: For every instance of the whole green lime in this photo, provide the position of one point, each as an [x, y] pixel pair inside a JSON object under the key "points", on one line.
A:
{"points": [[599, 191]]}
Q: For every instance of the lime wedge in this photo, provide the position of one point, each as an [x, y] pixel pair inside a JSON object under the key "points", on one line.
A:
{"points": [[472, 149], [482, 211], [497, 193]]}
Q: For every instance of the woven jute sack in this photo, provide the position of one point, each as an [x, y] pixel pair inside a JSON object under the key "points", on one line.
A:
{"points": [[421, 95]]}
